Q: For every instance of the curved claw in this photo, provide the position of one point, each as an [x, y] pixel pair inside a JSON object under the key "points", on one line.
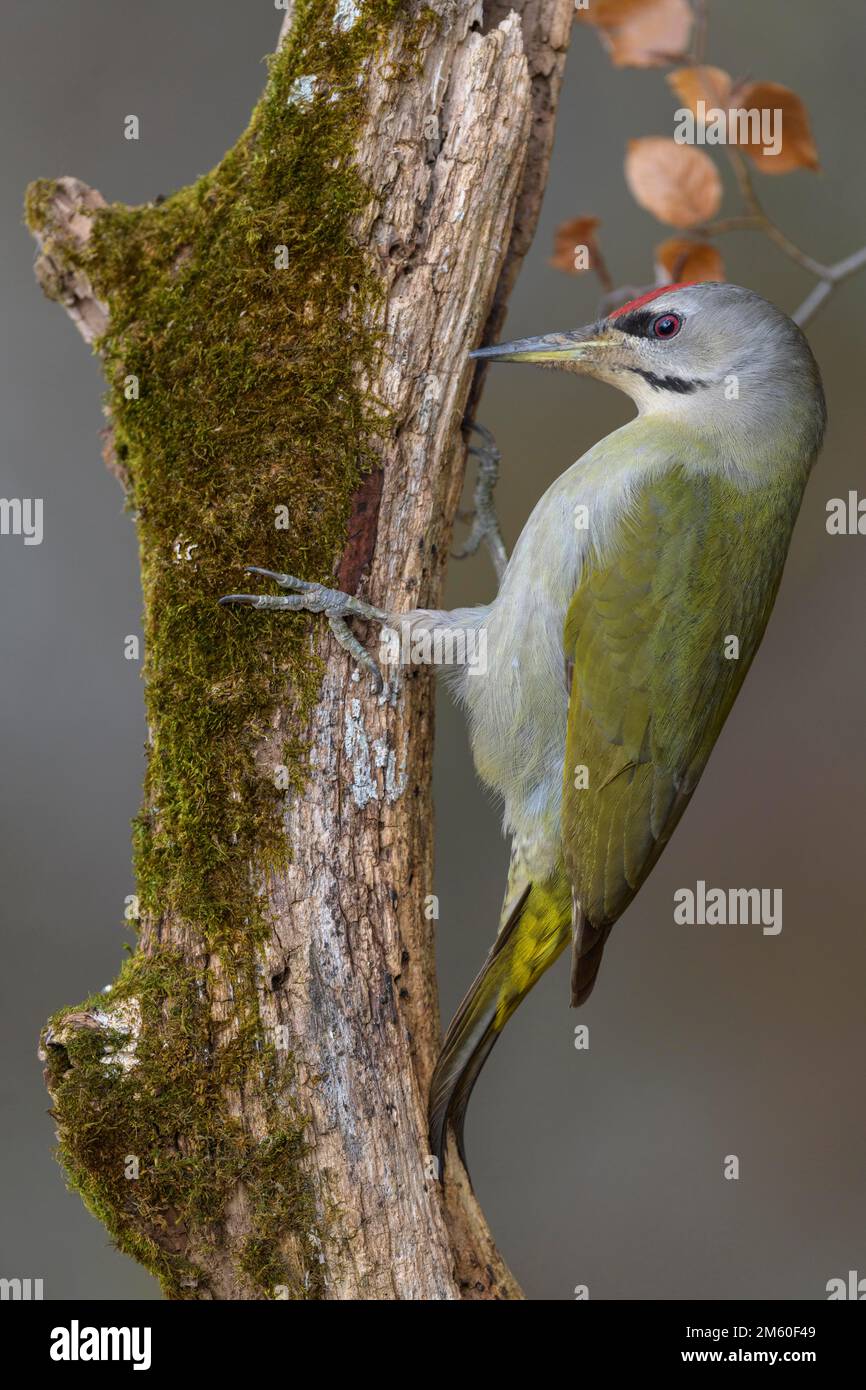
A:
{"points": [[463, 553], [292, 603], [486, 435], [350, 643], [285, 581]]}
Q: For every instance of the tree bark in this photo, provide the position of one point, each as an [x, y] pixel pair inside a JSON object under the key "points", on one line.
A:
{"points": [[453, 145]]}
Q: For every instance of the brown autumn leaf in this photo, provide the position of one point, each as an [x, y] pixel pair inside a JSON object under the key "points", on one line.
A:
{"points": [[678, 258], [715, 87], [580, 231], [676, 183], [691, 85], [640, 33], [798, 149]]}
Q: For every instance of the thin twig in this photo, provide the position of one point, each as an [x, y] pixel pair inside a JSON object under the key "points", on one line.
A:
{"points": [[813, 301], [766, 223], [699, 41], [599, 265], [828, 276], [834, 276]]}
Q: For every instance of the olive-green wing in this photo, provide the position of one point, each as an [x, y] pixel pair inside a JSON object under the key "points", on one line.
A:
{"points": [[649, 633]]}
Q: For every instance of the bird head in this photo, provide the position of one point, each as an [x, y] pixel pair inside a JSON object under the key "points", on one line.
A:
{"points": [[713, 355]]}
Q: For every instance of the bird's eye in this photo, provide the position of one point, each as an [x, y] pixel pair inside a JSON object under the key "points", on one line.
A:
{"points": [[666, 326]]}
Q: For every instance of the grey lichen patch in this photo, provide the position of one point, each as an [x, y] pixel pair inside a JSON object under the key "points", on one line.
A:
{"points": [[124, 1020], [356, 747], [396, 775], [346, 14], [376, 774]]}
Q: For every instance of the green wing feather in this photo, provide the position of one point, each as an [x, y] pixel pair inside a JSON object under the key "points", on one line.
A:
{"points": [[698, 561]]}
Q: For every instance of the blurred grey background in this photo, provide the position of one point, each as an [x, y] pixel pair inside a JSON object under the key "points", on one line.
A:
{"points": [[602, 1167]]}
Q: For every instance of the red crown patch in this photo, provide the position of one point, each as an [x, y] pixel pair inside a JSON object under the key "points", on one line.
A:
{"points": [[649, 297]]}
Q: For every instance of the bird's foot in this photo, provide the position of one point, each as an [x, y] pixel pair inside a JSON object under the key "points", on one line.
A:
{"points": [[485, 526], [316, 598]]}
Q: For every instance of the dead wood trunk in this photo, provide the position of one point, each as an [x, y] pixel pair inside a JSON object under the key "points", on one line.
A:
{"points": [[246, 1110]]}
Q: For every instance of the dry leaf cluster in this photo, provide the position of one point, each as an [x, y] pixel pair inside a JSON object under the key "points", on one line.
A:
{"points": [[680, 184]]}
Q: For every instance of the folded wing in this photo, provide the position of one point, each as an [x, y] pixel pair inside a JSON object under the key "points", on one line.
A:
{"points": [[658, 638]]}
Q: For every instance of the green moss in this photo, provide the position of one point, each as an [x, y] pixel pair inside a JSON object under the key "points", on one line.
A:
{"points": [[166, 1109], [249, 398], [37, 203]]}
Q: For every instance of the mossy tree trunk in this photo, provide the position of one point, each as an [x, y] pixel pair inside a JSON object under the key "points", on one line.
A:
{"points": [[285, 344]]}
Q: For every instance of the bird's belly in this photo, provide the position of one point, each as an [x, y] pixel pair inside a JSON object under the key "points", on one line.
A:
{"points": [[517, 717], [518, 711]]}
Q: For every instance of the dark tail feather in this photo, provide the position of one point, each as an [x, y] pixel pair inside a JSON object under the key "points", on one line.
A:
{"points": [[468, 1043], [449, 1102], [587, 948], [531, 939]]}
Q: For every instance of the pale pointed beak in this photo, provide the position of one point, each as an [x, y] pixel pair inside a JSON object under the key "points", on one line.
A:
{"points": [[554, 347]]}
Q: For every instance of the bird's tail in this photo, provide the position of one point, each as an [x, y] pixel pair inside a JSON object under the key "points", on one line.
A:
{"points": [[535, 933]]}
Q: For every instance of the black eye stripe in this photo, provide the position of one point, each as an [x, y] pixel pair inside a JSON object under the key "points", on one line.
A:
{"points": [[639, 323]]}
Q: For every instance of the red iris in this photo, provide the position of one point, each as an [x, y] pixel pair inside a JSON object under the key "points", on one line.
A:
{"points": [[666, 326]]}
